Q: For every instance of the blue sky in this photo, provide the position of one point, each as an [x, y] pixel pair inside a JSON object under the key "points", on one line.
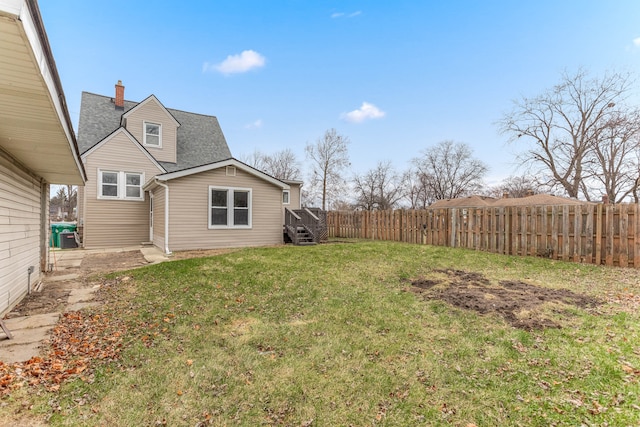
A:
{"points": [[396, 77]]}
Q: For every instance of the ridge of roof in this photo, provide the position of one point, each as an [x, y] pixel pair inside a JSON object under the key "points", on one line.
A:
{"points": [[138, 102]]}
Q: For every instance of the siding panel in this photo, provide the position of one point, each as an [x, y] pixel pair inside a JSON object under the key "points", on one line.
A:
{"points": [[188, 207], [154, 113], [113, 223], [20, 234]]}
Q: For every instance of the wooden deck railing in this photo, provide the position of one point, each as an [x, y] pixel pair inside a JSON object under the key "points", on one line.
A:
{"points": [[302, 218], [590, 233]]}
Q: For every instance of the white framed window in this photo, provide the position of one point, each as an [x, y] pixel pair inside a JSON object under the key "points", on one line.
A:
{"points": [[229, 207], [132, 185], [152, 134], [286, 197], [118, 185], [108, 184]]}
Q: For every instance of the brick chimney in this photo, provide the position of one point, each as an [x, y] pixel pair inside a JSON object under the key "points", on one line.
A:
{"points": [[505, 195], [530, 193], [119, 101], [605, 199]]}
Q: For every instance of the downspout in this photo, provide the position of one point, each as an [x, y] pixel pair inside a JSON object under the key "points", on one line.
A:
{"points": [[166, 216]]}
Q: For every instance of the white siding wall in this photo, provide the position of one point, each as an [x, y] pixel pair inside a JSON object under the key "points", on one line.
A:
{"points": [[154, 113], [21, 231], [113, 223], [188, 207]]}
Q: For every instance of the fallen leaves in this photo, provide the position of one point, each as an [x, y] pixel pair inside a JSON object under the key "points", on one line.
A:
{"points": [[77, 341]]}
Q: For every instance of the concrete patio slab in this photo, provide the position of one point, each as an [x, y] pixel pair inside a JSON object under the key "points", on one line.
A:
{"points": [[67, 263], [153, 255], [63, 277], [20, 353], [81, 305], [30, 322], [69, 254], [29, 332]]}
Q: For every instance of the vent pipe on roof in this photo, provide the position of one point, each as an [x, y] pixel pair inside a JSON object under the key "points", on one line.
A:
{"points": [[119, 101]]}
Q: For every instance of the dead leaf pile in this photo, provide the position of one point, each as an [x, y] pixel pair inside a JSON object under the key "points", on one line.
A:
{"points": [[78, 342]]}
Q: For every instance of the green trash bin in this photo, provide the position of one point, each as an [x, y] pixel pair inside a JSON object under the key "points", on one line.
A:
{"points": [[57, 228]]}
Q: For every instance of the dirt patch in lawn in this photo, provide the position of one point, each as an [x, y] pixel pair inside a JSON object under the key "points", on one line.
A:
{"points": [[111, 262], [523, 305]]}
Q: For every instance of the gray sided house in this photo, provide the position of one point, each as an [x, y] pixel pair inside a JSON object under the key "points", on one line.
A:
{"points": [[164, 176], [37, 147]]}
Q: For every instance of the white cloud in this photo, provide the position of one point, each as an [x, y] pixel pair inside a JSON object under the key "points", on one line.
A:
{"points": [[366, 112], [255, 125], [636, 41], [240, 63], [345, 15]]}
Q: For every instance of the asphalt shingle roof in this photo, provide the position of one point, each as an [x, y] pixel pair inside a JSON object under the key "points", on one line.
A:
{"points": [[200, 138]]}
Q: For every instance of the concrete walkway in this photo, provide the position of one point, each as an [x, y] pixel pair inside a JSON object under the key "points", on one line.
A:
{"points": [[30, 332]]}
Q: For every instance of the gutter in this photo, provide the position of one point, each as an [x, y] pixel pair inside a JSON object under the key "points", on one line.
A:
{"points": [[166, 216]]}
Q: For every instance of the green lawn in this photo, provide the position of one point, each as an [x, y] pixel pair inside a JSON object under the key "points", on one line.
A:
{"points": [[334, 335]]}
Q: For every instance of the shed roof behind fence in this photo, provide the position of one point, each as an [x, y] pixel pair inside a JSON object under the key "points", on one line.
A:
{"points": [[483, 201]]}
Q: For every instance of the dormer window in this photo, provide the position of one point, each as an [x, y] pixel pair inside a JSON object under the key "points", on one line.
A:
{"points": [[152, 134]]}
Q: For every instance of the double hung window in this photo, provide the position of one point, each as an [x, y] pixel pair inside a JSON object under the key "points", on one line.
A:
{"points": [[120, 185], [229, 207], [152, 134]]}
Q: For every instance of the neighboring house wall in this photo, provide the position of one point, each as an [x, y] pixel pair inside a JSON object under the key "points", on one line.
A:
{"points": [[152, 112], [189, 207], [112, 223], [23, 212]]}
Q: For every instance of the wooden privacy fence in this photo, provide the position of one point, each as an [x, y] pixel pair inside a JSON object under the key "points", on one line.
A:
{"points": [[590, 233]]}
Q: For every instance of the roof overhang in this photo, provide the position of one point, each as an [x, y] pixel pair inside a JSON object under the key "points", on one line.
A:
{"points": [[217, 165], [35, 129]]}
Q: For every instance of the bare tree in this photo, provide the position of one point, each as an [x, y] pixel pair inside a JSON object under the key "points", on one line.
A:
{"points": [[615, 167], [378, 189], [329, 157], [65, 201], [255, 159], [517, 186], [72, 199], [450, 171], [282, 164], [563, 125], [416, 189]]}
